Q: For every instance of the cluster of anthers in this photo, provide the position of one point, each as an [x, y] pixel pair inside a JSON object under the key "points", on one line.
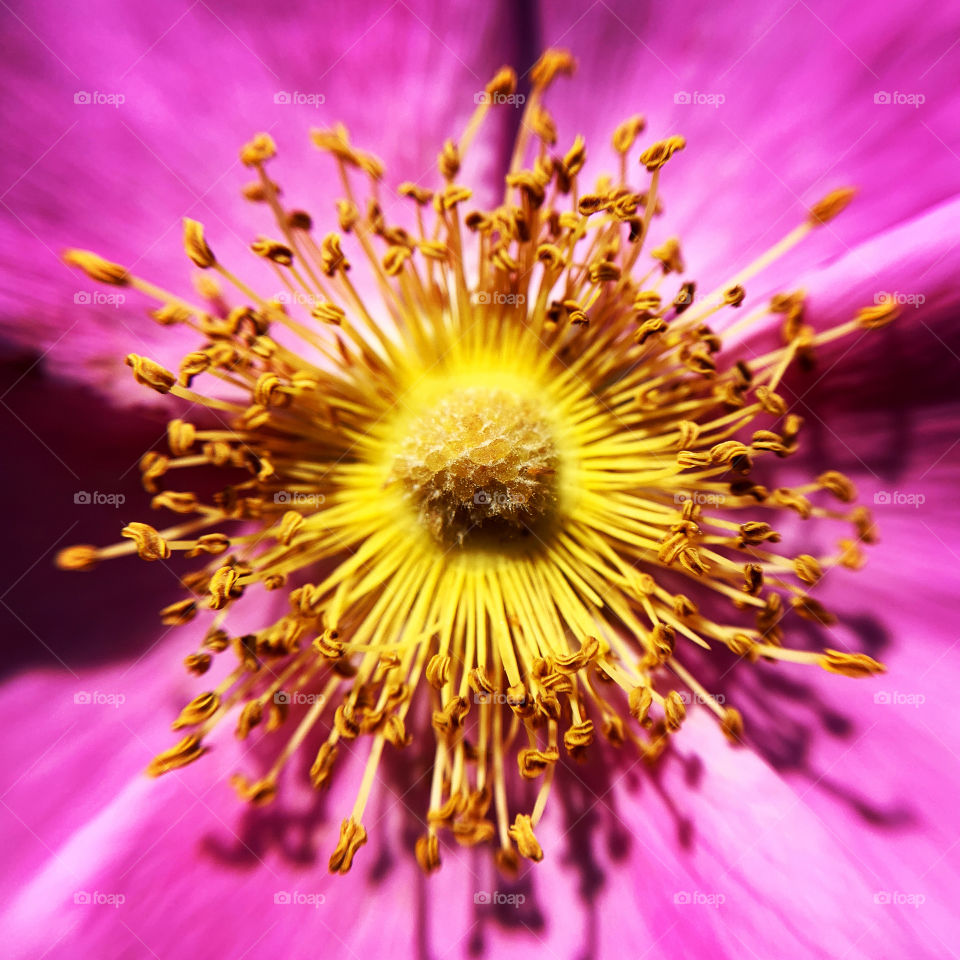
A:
{"points": [[488, 492]]}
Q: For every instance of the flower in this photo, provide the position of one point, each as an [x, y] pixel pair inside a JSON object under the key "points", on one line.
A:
{"points": [[436, 511], [498, 491]]}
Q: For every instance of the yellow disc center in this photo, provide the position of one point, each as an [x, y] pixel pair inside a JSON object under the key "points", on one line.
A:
{"points": [[480, 464]]}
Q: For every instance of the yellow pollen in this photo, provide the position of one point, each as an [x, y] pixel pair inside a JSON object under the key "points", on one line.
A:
{"points": [[481, 461]]}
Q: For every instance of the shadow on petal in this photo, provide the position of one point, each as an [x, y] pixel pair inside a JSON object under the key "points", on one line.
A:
{"points": [[61, 441]]}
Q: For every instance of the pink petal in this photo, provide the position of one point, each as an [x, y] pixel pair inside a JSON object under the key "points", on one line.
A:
{"points": [[81, 819], [197, 85], [913, 264], [798, 116]]}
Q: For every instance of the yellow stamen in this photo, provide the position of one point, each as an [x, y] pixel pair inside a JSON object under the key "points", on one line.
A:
{"points": [[481, 493]]}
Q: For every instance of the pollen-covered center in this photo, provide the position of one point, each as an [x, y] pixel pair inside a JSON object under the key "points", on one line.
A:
{"points": [[479, 464]]}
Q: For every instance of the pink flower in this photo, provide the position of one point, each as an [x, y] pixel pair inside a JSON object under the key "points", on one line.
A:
{"points": [[831, 834]]}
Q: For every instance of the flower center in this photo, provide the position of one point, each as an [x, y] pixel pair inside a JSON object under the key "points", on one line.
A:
{"points": [[479, 466]]}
